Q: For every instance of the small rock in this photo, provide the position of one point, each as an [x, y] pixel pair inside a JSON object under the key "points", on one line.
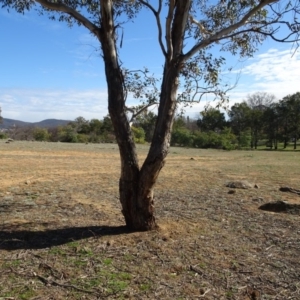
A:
{"points": [[259, 199], [231, 192], [243, 184]]}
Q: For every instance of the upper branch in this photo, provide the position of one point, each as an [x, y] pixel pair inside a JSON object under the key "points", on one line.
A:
{"points": [[139, 111], [60, 7], [168, 29], [224, 32], [179, 25], [157, 15]]}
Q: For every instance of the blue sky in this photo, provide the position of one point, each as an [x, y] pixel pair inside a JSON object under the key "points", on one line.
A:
{"points": [[51, 71]]}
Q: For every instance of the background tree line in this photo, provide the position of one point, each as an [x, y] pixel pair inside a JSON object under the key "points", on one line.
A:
{"points": [[255, 122]]}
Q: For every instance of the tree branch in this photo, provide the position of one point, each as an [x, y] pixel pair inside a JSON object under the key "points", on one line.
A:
{"points": [[222, 33], [135, 114], [157, 14], [60, 7], [179, 25], [168, 29], [270, 34]]}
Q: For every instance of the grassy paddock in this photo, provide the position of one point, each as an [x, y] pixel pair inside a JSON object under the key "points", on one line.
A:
{"points": [[62, 234]]}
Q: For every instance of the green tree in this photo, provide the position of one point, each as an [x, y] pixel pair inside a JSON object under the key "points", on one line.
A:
{"points": [[95, 130], [181, 137], [258, 102], [41, 134], [271, 120], [179, 123], [68, 134], [256, 123], [54, 133], [283, 114], [293, 104], [224, 139], [107, 125], [81, 125], [139, 134], [239, 116], [96, 126], [2, 134], [211, 119], [228, 139], [146, 120], [234, 26]]}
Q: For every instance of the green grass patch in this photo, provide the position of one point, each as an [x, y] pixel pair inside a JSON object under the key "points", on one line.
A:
{"points": [[107, 261], [145, 287]]}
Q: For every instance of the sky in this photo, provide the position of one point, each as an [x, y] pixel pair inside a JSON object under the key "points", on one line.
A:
{"points": [[51, 71]]}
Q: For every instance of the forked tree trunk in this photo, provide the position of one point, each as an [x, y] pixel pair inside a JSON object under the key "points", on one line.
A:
{"points": [[136, 185]]}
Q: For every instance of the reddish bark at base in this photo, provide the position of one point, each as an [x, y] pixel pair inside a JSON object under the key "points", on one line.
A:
{"points": [[138, 210]]}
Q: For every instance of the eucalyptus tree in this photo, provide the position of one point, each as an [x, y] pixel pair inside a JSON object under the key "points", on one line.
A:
{"points": [[239, 117], [292, 103], [284, 122], [259, 102], [187, 30], [270, 122], [211, 119]]}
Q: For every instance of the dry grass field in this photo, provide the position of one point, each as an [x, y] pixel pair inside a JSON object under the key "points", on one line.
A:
{"points": [[62, 233]]}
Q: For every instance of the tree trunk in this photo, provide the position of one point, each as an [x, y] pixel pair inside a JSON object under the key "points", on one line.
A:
{"points": [[136, 185], [137, 203], [285, 142]]}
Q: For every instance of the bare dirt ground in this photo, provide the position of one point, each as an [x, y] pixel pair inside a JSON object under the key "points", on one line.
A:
{"points": [[62, 233]]}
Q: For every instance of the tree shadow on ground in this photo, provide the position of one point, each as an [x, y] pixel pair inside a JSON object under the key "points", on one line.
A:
{"points": [[27, 239], [281, 207]]}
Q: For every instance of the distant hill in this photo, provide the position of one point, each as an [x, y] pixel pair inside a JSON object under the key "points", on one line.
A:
{"points": [[9, 123]]}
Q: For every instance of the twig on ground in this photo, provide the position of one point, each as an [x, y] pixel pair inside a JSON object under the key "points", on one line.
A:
{"points": [[196, 270], [53, 282], [203, 295]]}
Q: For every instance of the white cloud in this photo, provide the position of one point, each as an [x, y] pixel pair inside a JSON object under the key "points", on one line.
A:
{"points": [[35, 105], [275, 72]]}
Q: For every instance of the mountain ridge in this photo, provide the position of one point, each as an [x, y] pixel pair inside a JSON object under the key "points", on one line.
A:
{"points": [[47, 123]]}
